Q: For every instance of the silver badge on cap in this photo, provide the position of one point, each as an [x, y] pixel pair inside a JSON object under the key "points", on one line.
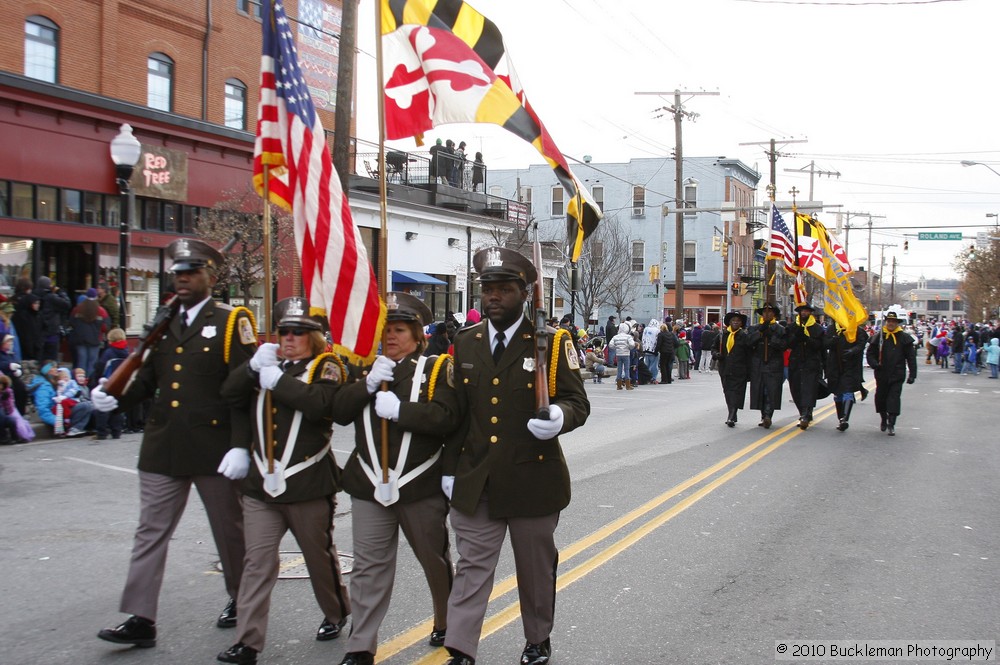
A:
{"points": [[295, 307], [182, 250], [494, 259], [391, 302]]}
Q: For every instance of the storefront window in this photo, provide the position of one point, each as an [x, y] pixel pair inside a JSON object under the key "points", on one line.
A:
{"points": [[15, 262], [93, 208], [71, 205], [170, 217], [47, 204], [113, 205], [4, 194], [151, 215], [138, 215], [22, 201], [190, 218]]}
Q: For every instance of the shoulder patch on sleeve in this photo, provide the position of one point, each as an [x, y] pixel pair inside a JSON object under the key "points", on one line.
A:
{"points": [[247, 333], [331, 372], [572, 358]]}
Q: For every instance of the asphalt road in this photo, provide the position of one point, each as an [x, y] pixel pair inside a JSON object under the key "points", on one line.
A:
{"points": [[686, 541]]}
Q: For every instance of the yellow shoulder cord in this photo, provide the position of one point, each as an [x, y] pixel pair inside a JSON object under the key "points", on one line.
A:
{"points": [[230, 324], [319, 362], [438, 364], [554, 361]]}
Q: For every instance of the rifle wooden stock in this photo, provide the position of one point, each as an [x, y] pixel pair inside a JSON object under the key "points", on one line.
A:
{"points": [[122, 377], [541, 339]]}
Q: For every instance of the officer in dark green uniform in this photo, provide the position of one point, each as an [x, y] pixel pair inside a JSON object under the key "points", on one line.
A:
{"points": [[421, 405], [508, 469], [193, 436], [294, 488]]}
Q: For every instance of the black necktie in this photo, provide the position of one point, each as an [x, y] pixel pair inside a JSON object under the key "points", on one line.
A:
{"points": [[498, 349], [184, 321]]}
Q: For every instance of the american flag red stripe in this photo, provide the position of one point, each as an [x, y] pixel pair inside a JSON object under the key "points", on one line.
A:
{"points": [[336, 275], [781, 245]]}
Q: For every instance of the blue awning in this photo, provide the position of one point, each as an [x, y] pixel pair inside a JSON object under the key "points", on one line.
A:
{"points": [[407, 277]]}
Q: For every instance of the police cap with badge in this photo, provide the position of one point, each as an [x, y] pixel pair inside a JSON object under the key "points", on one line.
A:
{"points": [[499, 264], [401, 306], [192, 254], [295, 312]]}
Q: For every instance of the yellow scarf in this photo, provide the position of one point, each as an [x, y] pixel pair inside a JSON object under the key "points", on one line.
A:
{"points": [[731, 339], [891, 334], [805, 326]]}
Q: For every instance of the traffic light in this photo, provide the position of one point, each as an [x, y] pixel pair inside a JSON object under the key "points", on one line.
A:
{"points": [[716, 243], [736, 288], [725, 249], [654, 274], [906, 246]]}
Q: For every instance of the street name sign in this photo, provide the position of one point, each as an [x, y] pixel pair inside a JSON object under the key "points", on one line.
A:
{"points": [[924, 235]]}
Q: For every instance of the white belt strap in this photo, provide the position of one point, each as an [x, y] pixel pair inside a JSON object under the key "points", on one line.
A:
{"points": [[290, 441], [404, 450]]}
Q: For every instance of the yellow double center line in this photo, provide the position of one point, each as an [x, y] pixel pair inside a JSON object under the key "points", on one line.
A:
{"points": [[509, 613]]}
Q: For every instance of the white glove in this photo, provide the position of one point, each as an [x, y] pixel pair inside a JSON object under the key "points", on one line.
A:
{"points": [[380, 371], [447, 485], [102, 401], [387, 405], [235, 464], [269, 375], [266, 355], [15, 369], [546, 429], [58, 399]]}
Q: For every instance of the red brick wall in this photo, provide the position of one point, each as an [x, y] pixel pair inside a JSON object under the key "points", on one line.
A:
{"points": [[104, 46]]}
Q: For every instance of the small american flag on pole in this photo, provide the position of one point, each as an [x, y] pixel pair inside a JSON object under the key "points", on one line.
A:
{"points": [[781, 245], [336, 274]]}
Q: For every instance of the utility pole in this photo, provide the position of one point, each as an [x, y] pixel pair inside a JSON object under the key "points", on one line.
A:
{"points": [[345, 90], [813, 171], [679, 114], [881, 269], [847, 226], [892, 289], [772, 156]]}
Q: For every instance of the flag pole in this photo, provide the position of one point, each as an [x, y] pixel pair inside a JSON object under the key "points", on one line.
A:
{"points": [[268, 417], [383, 243]]}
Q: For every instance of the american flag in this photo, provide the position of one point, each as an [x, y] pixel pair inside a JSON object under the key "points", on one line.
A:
{"points": [[781, 243], [337, 277]]}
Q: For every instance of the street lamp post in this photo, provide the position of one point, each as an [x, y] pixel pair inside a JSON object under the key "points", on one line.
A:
{"points": [[966, 162], [125, 150]]}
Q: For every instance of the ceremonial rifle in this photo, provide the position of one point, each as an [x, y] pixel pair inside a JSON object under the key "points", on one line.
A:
{"points": [[124, 374], [541, 338]]}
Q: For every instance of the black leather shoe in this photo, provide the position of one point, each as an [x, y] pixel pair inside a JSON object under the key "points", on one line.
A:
{"points": [[240, 654], [135, 631], [358, 658], [228, 617], [460, 660], [329, 630], [536, 654], [437, 638]]}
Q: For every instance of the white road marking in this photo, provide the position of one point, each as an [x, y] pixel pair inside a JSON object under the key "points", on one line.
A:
{"points": [[104, 466]]}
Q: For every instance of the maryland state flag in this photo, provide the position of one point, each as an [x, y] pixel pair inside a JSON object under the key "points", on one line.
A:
{"points": [[444, 62], [841, 304]]}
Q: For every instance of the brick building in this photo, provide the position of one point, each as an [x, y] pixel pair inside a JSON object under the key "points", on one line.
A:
{"points": [[183, 74]]}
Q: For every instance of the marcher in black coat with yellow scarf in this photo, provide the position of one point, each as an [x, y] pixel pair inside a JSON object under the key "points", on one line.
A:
{"points": [[845, 370], [767, 363], [735, 350], [805, 363], [891, 352]]}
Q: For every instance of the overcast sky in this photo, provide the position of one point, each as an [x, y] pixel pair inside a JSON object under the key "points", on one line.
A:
{"points": [[893, 95]]}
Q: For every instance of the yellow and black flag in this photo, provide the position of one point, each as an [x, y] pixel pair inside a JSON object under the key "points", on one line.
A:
{"points": [[444, 62]]}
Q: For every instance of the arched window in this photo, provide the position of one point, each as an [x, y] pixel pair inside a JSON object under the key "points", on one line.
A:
{"points": [[41, 49], [159, 82], [236, 104]]}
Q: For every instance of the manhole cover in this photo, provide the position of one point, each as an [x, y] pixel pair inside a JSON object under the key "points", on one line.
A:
{"points": [[292, 565]]}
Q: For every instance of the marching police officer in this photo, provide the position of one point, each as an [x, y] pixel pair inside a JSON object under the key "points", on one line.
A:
{"points": [[734, 363], [507, 471], [890, 353], [294, 487], [767, 363], [193, 436], [421, 407]]}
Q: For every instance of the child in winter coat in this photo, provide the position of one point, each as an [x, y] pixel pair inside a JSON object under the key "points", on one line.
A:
{"points": [[13, 427], [993, 357], [683, 354]]}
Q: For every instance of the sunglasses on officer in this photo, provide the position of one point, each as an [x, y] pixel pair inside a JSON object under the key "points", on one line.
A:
{"points": [[298, 332]]}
